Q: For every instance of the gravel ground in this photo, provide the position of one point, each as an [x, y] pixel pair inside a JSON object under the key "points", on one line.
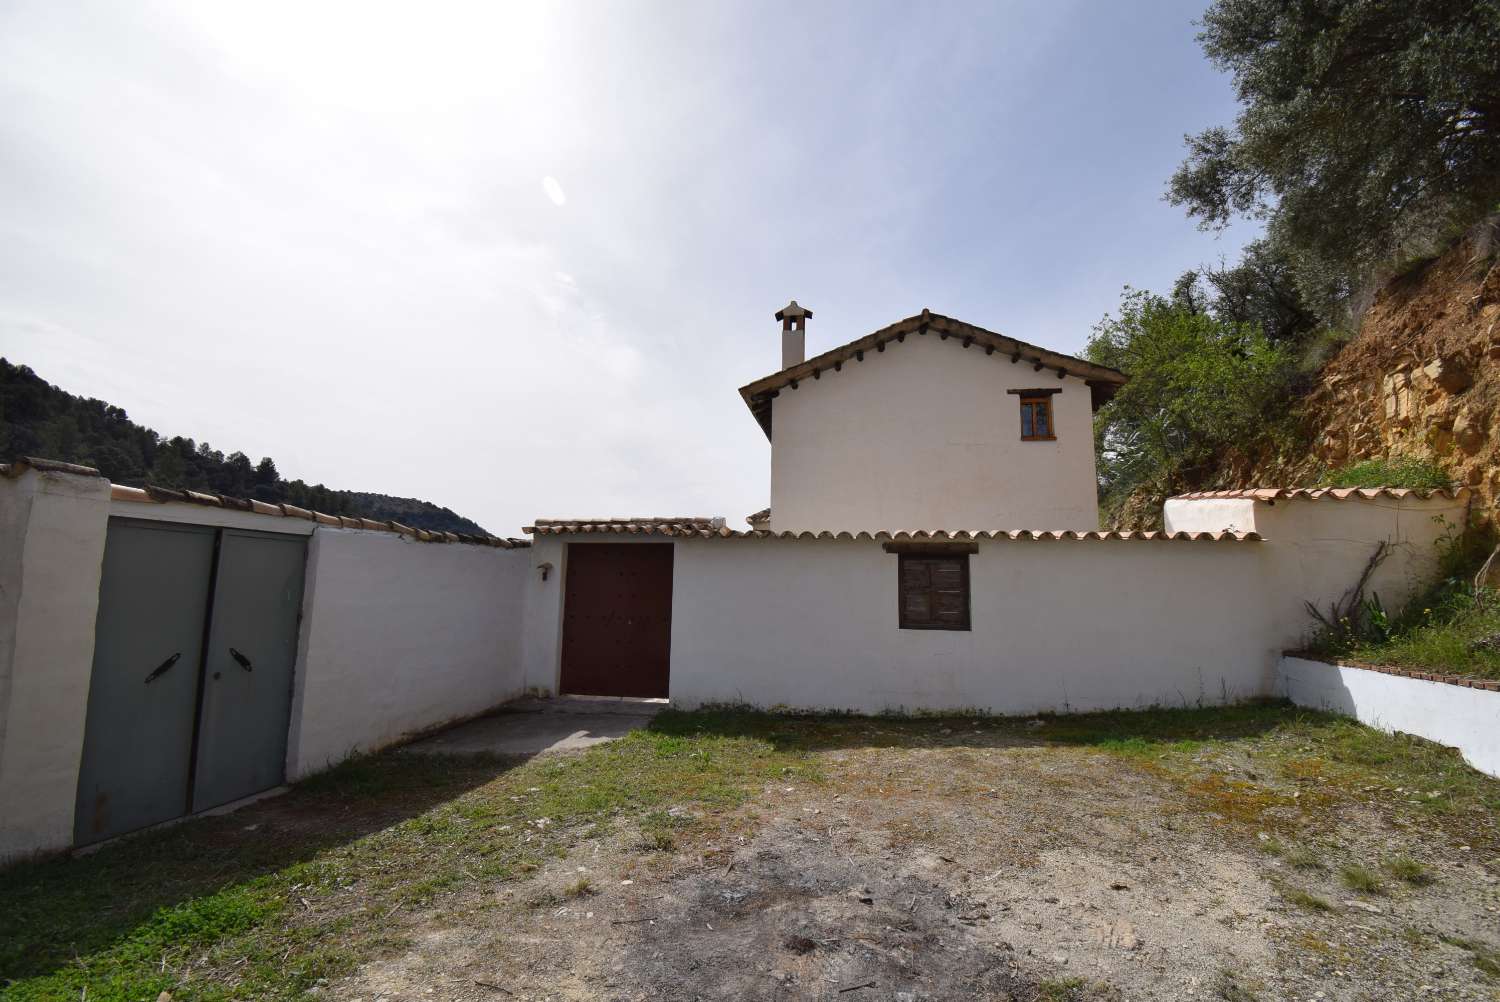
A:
{"points": [[987, 867]]}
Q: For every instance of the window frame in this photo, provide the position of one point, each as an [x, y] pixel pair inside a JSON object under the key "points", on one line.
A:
{"points": [[961, 558], [1040, 400]]}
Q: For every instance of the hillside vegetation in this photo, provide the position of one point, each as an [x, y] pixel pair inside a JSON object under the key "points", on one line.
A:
{"points": [[39, 419], [1355, 342]]}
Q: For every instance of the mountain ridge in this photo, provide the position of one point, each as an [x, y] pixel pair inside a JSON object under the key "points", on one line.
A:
{"points": [[40, 419]]}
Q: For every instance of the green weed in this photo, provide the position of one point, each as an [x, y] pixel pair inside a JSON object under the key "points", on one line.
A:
{"points": [[1361, 879], [1306, 901], [1304, 859], [1406, 869]]}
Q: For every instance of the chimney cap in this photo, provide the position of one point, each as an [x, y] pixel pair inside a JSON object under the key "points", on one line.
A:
{"points": [[791, 311]]}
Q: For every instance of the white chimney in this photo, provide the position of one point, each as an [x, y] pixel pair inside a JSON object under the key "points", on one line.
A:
{"points": [[793, 334]]}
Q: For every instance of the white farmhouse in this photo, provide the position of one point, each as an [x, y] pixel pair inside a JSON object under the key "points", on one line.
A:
{"points": [[930, 423], [931, 546]]}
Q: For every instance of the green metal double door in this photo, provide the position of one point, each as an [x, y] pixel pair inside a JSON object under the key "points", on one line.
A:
{"points": [[191, 693]]}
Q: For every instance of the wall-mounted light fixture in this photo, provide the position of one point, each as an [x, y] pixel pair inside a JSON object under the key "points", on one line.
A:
{"points": [[545, 568]]}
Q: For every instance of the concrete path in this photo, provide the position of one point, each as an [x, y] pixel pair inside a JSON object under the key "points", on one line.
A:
{"points": [[536, 726]]}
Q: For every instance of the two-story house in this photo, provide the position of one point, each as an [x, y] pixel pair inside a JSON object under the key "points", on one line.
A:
{"points": [[930, 423]]}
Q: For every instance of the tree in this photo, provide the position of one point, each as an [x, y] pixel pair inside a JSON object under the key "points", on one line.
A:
{"points": [[236, 476], [38, 419], [1199, 386], [268, 486], [1261, 291], [1368, 129], [167, 466]]}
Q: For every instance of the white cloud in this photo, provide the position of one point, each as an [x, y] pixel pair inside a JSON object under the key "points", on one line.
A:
{"points": [[313, 231]]}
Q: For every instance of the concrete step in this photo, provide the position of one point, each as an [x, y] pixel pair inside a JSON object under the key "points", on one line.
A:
{"points": [[590, 705]]}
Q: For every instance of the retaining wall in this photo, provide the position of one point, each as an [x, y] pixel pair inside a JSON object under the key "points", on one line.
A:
{"points": [[1459, 716]]}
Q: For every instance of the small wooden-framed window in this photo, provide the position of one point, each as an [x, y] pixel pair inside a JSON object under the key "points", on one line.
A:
{"points": [[1036, 414], [934, 591]]}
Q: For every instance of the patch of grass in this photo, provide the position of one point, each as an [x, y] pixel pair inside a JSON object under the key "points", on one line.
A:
{"points": [[1361, 879], [1408, 870], [262, 903], [1396, 471], [1370, 766], [1306, 901], [1447, 641], [1449, 628], [659, 830], [1303, 858], [1061, 989], [659, 841], [1131, 733], [1239, 802], [579, 888]]}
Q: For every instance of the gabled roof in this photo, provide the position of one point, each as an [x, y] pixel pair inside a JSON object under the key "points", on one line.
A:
{"points": [[1102, 381]]}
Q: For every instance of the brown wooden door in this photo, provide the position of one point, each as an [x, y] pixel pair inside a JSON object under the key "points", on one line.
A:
{"points": [[617, 619]]}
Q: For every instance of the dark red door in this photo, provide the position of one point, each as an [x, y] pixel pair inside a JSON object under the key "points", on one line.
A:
{"points": [[617, 619]]}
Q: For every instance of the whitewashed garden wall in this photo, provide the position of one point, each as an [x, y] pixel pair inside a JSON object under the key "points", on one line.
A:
{"points": [[398, 636]]}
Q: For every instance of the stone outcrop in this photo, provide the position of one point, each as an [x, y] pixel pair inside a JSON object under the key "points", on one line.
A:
{"points": [[1421, 379]]}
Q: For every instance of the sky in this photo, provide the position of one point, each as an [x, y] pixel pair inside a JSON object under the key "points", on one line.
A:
{"points": [[517, 258]]}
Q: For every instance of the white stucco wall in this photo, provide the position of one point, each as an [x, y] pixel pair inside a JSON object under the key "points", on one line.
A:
{"points": [[1065, 625], [541, 631], [399, 636], [1316, 549], [1209, 515], [1457, 716], [52, 530], [924, 435]]}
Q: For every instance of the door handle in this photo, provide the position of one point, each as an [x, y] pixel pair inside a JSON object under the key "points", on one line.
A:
{"points": [[162, 668], [244, 662]]}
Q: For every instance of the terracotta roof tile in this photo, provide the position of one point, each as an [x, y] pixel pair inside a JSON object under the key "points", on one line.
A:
{"points": [[1320, 493], [759, 517], [715, 529]]}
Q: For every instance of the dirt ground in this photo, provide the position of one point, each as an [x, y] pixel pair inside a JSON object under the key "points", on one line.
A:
{"points": [[978, 869]]}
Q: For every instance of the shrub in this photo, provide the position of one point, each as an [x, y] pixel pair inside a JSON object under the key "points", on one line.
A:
{"points": [[1199, 386]]}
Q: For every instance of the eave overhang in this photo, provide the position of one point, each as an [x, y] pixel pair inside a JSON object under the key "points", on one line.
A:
{"points": [[1102, 381]]}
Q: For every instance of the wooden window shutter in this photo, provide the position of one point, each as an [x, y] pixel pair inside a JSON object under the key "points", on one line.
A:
{"points": [[934, 592]]}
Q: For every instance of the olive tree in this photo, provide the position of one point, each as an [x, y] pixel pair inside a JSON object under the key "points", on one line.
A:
{"points": [[1367, 129]]}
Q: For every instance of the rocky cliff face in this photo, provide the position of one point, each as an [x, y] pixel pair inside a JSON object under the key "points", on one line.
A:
{"points": [[1423, 376], [1421, 379]]}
